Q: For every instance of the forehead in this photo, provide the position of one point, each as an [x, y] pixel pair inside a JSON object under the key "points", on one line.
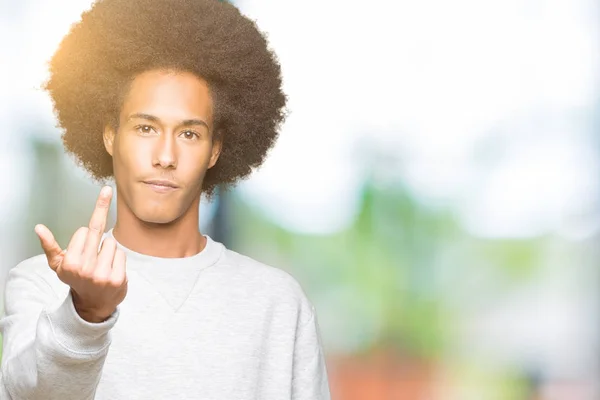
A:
{"points": [[169, 95]]}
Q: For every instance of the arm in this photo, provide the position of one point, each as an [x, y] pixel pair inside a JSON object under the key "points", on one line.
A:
{"points": [[49, 352], [309, 380], [57, 352]]}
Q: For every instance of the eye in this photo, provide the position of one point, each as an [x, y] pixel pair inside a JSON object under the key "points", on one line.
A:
{"points": [[144, 129], [189, 135]]}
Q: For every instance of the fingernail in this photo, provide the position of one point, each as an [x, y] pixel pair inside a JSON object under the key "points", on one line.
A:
{"points": [[105, 191]]}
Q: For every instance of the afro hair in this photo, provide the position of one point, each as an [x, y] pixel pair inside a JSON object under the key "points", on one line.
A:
{"points": [[116, 40]]}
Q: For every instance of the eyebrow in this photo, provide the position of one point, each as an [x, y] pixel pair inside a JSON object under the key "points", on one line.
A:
{"points": [[148, 117]]}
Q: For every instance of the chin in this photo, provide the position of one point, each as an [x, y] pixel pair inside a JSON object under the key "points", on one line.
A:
{"points": [[158, 220], [161, 217]]}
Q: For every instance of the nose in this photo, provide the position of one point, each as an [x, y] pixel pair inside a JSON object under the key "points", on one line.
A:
{"points": [[165, 152]]}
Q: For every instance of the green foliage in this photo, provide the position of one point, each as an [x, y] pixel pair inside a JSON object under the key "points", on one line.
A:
{"points": [[393, 259]]}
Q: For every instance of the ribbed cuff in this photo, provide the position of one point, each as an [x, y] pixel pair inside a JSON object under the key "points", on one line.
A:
{"points": [[76, 334]]}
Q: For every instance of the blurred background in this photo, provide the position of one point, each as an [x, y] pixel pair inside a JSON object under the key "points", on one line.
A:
{"points": [[435, 189]]}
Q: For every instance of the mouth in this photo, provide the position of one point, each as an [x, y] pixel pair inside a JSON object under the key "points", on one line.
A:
{"points": [[161, 186]]}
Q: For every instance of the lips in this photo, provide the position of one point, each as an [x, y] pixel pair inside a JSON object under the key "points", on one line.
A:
{"points": [[161, 186], [161, 182]]}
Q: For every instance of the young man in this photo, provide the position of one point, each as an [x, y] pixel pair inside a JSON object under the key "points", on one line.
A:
{"points": [[171, 97]]}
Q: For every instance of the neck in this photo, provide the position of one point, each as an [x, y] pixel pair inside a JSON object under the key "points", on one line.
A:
{"points": [[177, 239]]}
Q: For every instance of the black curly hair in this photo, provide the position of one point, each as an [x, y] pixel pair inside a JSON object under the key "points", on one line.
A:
{"points": [[115, 40]]}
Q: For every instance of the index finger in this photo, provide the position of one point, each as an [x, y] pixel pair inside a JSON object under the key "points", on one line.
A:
{"points": [[98, 222]]}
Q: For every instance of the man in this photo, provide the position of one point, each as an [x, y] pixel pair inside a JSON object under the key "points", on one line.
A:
{"points": [[171, 98]]}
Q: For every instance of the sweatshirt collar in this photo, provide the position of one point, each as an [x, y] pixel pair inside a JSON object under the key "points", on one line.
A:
{"points": [[205, 258]]}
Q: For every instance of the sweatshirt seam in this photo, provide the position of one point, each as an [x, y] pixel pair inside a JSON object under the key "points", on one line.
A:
{"points": [[9, 388], [310, 320], [47, 284], [65, 347], [162, 296], [301, 333], [195, 285]]}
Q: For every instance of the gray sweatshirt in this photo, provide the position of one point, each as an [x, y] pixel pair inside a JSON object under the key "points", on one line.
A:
{"points": [[215, 326]]}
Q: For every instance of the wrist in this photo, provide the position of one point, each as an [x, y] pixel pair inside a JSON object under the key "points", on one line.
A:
{"points": [[88, 312]]}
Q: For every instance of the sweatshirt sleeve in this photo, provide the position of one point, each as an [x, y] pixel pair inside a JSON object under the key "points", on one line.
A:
{"points": [[49, 352], [310, 380]]}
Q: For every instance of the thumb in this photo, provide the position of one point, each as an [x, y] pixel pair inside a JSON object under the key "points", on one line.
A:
{"points": [[51, 248]]}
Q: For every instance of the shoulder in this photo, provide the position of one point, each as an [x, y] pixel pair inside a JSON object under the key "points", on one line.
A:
{"points": [[268, 282], [33, 266], [35, 271], [31, 285], [270, 276]]}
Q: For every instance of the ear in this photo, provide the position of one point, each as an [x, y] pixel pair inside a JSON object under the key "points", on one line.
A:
{"points": [[109, 139], [216, 151]]}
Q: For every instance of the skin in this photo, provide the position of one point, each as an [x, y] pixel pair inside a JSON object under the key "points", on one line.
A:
{"points": [[165, 133]]}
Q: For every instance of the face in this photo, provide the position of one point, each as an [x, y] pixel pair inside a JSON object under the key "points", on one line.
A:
{"points": [[164, 145]]}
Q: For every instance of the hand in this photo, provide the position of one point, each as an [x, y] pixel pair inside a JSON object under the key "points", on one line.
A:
{"points": [[97, 279]]}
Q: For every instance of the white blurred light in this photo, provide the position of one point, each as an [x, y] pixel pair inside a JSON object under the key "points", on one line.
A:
{"points": [[445, 79], [533, 190]]}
